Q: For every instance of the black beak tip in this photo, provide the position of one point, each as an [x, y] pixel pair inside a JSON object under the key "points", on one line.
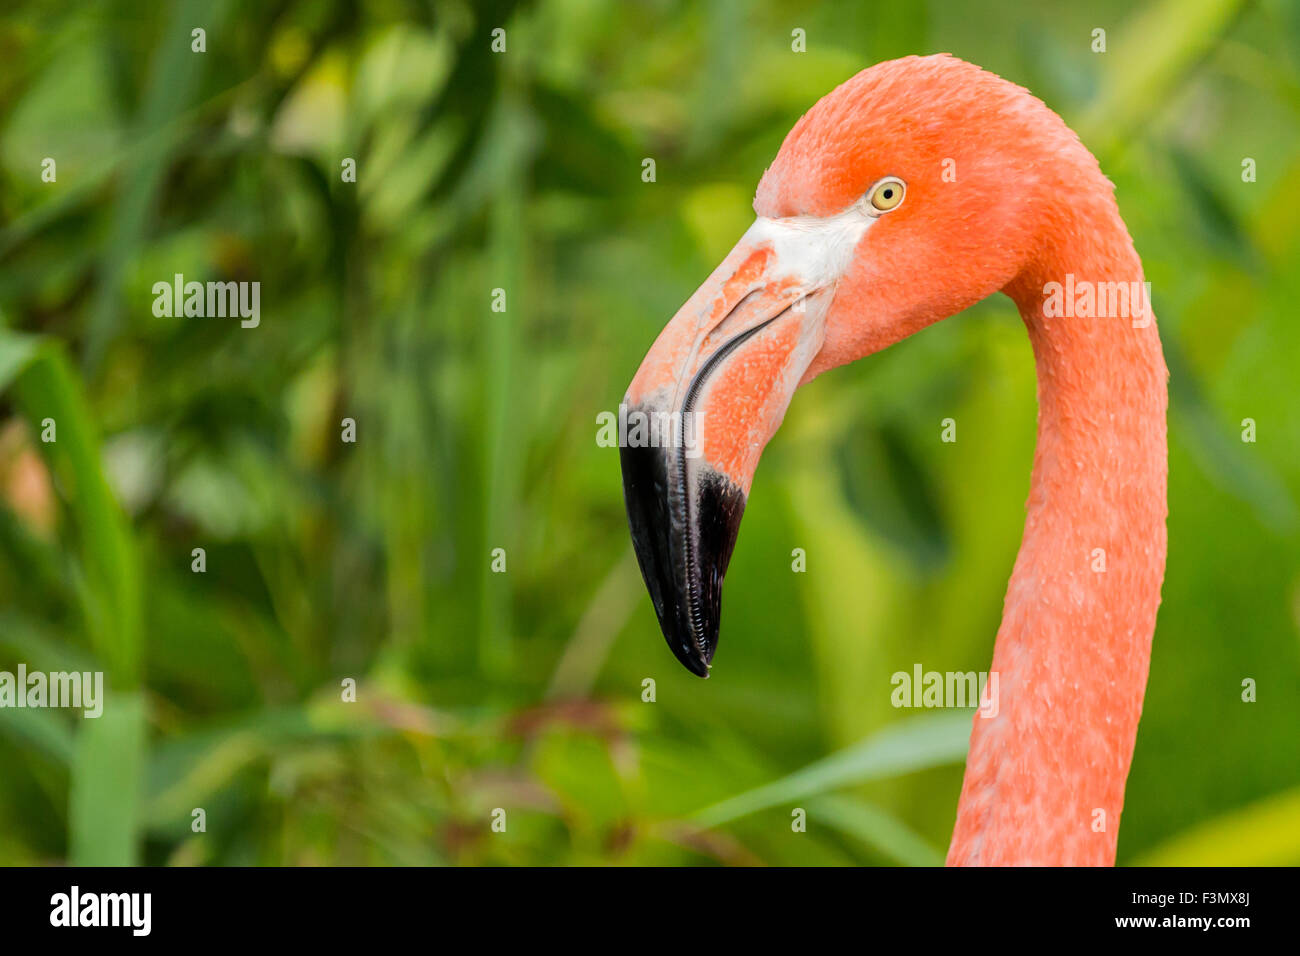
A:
{"points": [[693, 660], [684, 521]]}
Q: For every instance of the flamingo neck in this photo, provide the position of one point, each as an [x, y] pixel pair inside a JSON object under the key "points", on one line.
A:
{"points": [[1045, 777]]}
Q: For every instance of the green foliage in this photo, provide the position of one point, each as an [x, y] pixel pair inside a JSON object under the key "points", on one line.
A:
{"points": [[522, 690]]}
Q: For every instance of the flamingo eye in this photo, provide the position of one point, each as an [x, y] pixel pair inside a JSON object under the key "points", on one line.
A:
{"points": [[887, 194]]}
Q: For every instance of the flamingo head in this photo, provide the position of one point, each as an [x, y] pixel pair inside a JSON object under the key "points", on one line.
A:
{"points": [[907, 194]]}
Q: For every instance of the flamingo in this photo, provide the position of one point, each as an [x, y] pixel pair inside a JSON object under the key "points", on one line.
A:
{"points": [[913, 190]]}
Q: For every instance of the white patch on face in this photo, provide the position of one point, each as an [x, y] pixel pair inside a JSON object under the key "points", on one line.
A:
{"points": [[815, 250]]}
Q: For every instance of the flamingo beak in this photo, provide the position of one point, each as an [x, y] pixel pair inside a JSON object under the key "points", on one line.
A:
{"points": [[711, 392]]}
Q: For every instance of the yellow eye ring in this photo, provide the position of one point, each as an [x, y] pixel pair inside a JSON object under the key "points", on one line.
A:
{"points": [[887, 194]]}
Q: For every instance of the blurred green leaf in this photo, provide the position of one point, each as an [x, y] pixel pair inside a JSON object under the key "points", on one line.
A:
{"points": [[906, 746], [876, 828], [1266, 833], [49, 392], [1146, 60], [107, 779], [43, 730], [888, 487], [109, 752]]}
